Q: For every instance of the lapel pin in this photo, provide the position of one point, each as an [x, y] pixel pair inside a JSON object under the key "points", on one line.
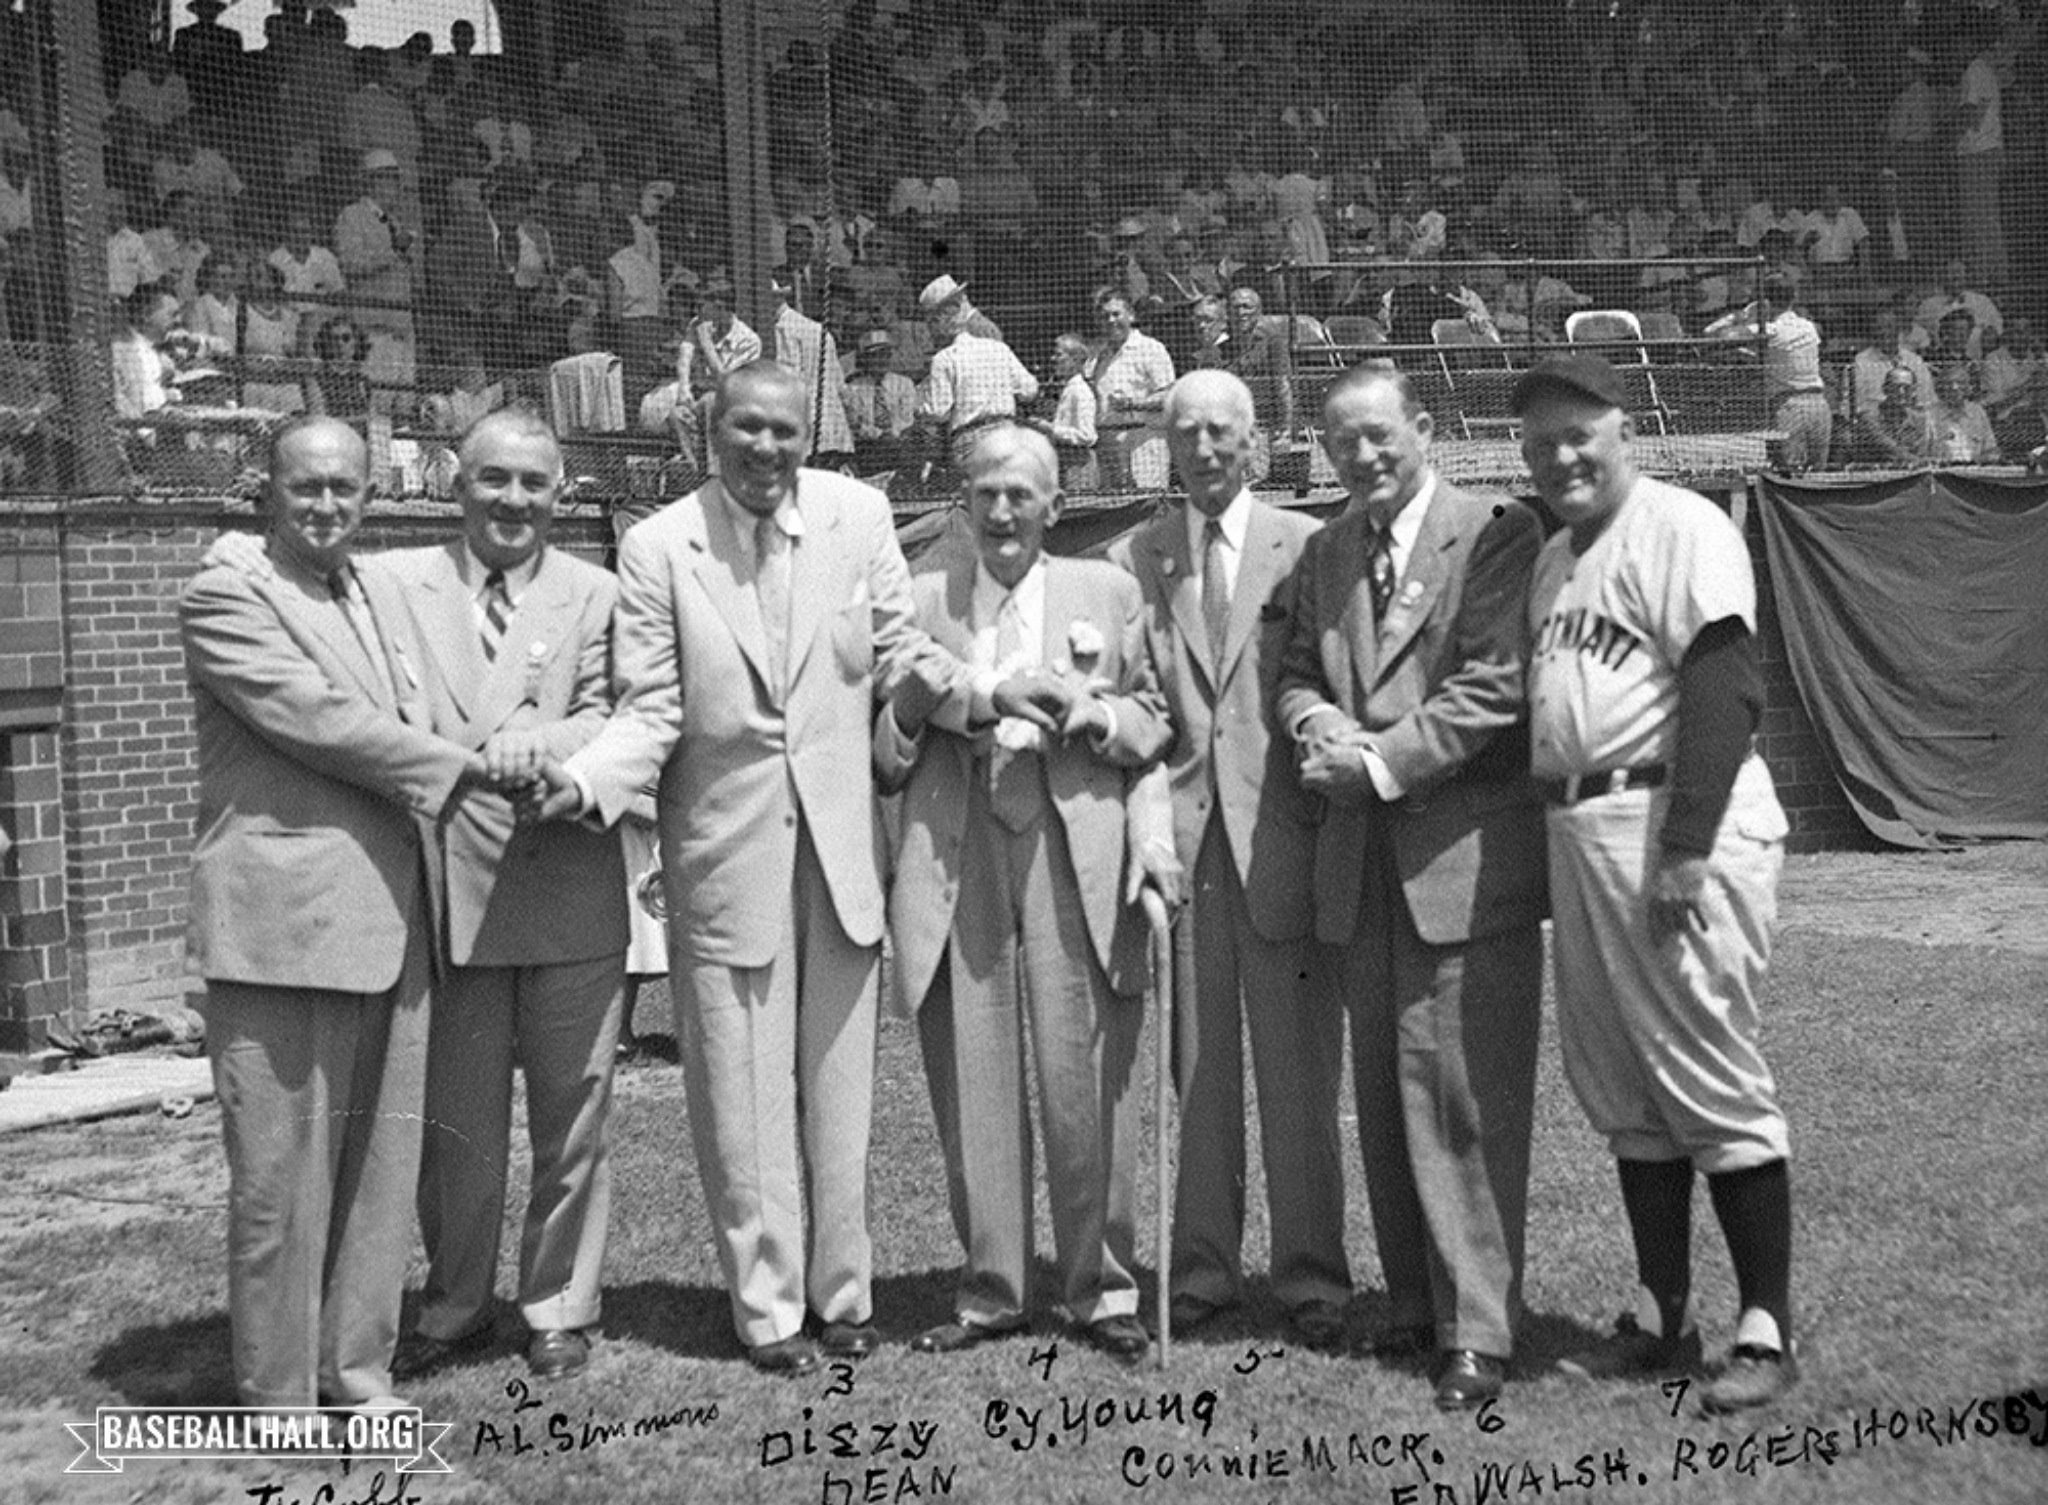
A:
{"points": [[1411, 593]]}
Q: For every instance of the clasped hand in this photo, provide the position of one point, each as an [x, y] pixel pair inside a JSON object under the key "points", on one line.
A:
{"points": [[518, 766], [1055, 704], [1331, 762]]}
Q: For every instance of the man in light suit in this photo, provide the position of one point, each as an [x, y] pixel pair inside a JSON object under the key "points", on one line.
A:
{"points": [[1402, 681], [759, 617], [309, 923], [1014, 864], [1218, 582], [518, 666]]}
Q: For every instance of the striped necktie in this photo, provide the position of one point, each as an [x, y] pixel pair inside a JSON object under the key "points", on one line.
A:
{"points": [[497, 612]]}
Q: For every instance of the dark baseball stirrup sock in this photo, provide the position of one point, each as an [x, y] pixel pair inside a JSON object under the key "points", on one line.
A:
{"points": [[1754, 1207], [1658, 1196]]}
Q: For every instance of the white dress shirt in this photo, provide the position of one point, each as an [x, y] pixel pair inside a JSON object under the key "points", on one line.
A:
{"points": [[1236, 519], [1027, 602]]}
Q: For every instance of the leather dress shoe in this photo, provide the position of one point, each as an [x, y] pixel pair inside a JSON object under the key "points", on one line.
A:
{"points": [[1189, 1311], [848, 1340], [1123, 1338], [557, 1353], [1318, 1325], [953, 1337], [420, 1354], [1467, 1380], [796, 1354]]}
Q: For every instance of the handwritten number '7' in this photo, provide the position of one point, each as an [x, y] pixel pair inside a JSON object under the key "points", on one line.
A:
{"points": [[1676, 1390]]}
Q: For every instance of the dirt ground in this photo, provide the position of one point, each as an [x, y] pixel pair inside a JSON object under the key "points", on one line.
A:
{"points": [[1995, 895]]}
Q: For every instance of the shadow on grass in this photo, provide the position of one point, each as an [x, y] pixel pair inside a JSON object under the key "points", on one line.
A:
{"points": [[182, 1363]]}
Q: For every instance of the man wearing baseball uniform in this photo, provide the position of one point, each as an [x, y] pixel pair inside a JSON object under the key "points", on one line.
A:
{"points": [[1665, 843]]}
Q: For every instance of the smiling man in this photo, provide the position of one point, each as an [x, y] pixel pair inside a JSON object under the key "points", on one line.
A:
{"points": [[1016, 865], [1402, 682], [309, 922], [517, 666], [1665, 842], [759, 619]]}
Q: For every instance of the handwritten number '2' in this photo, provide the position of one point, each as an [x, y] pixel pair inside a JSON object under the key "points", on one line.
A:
{"points": [[1676, 1390], [521, 1399]]}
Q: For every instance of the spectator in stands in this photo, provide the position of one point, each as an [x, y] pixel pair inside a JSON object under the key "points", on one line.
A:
{"points": [[214, 317], [913, 345], [1254, 349], [1898, 431], [722, 342], [473, 394], [304, 266], [1955, 339], [806, 349], [341, 387], [1886, 352], [1534, 201], [379, 117], [946, 309], [379, 252], [803, 268], [130, 262], [1131, 373], [142, 370], [1073, 417], [1834, 237], [322, 76], [974, 377], [153, 94], [1956, 292], [210, 57], [1793, 383], [1914, 153], [268, 332], [178, 245], [502, 129], [881, 404], [1980, 152], [462, 47], [673, 411], [198, 170], [1960, 426], [2014, 378]]}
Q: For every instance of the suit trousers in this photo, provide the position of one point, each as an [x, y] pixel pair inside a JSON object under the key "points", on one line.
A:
{"points": [[320, 1095], [1278, 992], [1019, 912], [1443, 1051], [559, 1024], [774, 1058]]}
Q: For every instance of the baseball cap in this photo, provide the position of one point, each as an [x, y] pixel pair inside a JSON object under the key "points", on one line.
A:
{"points": [[380, 159], [1587, 375], [878, 339]]}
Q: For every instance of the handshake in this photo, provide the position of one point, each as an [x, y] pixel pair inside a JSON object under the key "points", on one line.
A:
{"points": [[1060, 705], [518, 765]]}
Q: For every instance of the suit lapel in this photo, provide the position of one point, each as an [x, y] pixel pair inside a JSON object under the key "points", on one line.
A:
{"points": [[1184, 599], [452, 640], [308, 603], [810, 568], [1060, 611], [1256, 566], [954, 628], [388, 609], [532, 638], [1421, 582], [1357, 634], [715, 558]]}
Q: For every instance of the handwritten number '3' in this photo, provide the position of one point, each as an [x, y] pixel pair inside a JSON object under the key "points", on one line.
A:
{"points": [[842, 1380]]}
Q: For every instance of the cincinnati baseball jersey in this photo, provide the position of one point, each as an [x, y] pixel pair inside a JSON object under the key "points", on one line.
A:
{"points": [[1612, 625]]}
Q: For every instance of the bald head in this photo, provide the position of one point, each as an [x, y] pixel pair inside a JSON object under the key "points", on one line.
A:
{"points": [[1211, 424], [318, 486]]}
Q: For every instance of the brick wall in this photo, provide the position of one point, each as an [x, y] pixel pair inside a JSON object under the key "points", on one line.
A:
{"points": [[35, 980], [99, 803]]}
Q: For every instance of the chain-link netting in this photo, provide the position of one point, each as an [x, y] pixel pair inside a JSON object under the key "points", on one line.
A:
{"points": [[1806, 232]]}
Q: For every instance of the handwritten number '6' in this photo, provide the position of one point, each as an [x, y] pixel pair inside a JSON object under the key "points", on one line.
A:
{"points": [[1676, 1390], [521, 1398], [1489, 1419]]}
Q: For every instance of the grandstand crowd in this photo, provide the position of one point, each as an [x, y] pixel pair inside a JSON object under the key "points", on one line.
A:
{"points": [[424, 233]]}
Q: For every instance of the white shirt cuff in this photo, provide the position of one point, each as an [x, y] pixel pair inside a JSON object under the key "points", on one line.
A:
{"points": [[1383, 781]]}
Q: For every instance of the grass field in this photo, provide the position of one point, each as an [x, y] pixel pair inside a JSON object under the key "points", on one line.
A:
{"points": [[1906, 1020]]}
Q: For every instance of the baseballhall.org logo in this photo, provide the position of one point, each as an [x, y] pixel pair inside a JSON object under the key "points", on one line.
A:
{"points": [[300, 1434]]}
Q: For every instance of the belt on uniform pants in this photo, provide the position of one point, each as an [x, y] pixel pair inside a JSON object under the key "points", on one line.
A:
{"points": [[1572, 788]]}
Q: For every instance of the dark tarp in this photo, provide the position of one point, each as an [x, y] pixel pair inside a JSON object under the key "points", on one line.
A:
{"points": [[1914, 611]]}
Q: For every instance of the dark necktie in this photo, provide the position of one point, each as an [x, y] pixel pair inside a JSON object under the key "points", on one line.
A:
{"points": [[497, 612], [1215, 590], [1380, 569]]}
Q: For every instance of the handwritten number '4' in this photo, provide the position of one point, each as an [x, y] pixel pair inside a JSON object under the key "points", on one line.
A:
{"points": [[1044, 1357], [1676, 1390]]}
